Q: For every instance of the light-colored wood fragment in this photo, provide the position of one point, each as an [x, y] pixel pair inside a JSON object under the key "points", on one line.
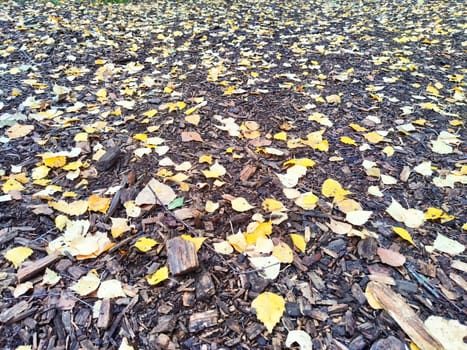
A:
{"points": [[36, 267], [402, 313]]}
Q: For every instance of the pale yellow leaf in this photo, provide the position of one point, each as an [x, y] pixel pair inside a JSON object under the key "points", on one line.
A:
{"points": [[283, 252], [87, 284], [223, 247], [269, 309], [269, 266], [110, 289], [197, 241], [358, 217], [17, 255], [240, 204], [74, 208], [298, 242], [119, 227]]}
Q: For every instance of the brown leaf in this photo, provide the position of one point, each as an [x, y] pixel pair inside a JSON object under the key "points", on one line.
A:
{"points": [[191, 136], [390, 257]]}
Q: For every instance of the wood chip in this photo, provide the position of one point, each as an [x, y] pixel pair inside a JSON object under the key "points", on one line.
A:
{"points": [[105, 314], [36, 267], [202, 320], [247, 172], [181, 256], [402, 313]]}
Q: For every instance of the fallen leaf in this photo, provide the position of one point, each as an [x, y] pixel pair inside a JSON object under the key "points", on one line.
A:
{"points": [[17, 255], [390, 257], [283, 253], [333, 189], [403, 233], [18, 130], [74, 208], [197, 241], [119, 227], [307, 201], [298, 242], [87, 284], [96, 203], [216, 170], [22, 288], [50, 277], [448, 245], [110, 289], [240, 204], [300, 337], [145, 244], [223, 247], [159, 276], [269, 267], [269, 309], [450, 333], [358, 217], [191, 136]]}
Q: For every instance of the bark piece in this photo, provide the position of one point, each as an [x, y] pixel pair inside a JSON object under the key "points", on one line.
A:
{"points": [[181, 256], [202, 320], [36, 267], [105, 314], [205, 287], [109, 159], [247, 172], [402, 313]]}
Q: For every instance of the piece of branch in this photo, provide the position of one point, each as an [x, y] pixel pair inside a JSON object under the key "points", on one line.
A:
{"points": [[36, 267]]}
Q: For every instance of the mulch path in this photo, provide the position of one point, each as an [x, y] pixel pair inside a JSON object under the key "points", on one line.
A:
{"points": [[268, 65]]}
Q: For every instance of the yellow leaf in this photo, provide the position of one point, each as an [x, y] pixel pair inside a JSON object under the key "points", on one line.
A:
{"points": [[403, 233], [333, 99], [73, 208], [298, 242], [216, 170], [307, 201], [238, 241], [96, 203], [306, 162], [140, 137], [53, 161], [281, 136], [17, 255], [372, 301], [240, 204], [269, 309], [61, 221], [145, 244], [373, 137], [211, 207], [119, 227], [50, 277], [389, 151], [159, 276], [206, 158], [197, 241], [192, 119], [12, 185], [348, 140], [81, 137], [40, 172], [333, 189], [223, 247], [432, 90], [283, 253], [260, 230], [272, 205], [357, 127], [150, 113], [87, 284]]}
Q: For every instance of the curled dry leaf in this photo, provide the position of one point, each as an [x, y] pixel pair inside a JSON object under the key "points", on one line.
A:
{"points": [[300, 337]]}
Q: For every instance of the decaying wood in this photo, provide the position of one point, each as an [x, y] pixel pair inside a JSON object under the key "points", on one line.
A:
{"points": [[11, 315], [202, 320], [36, 267], [105, 314], [181, 256], [403, 314], [109, 159]]}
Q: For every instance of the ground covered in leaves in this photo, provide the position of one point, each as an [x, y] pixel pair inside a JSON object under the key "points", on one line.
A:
{"points": [[233, 175]]}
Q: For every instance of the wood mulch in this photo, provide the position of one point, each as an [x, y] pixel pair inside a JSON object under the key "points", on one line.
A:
{"points": [[296, 51]]}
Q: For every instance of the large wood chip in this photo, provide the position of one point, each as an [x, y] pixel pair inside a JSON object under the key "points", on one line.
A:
{"points": [[402, 313], [181, 256]]}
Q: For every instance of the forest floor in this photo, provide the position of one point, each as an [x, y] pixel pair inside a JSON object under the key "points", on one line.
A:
{"points": [[233, 175]]}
